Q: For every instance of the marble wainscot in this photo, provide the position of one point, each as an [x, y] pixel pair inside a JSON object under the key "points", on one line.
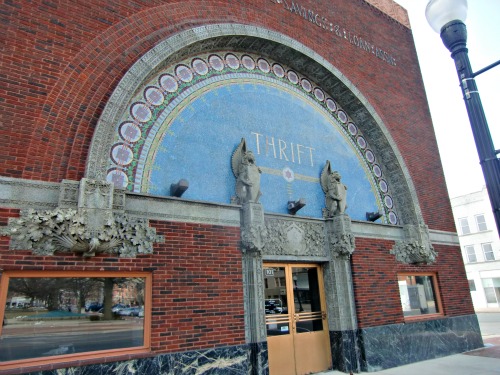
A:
{"points": [[400, 344], [219, 361], [345, 351]]}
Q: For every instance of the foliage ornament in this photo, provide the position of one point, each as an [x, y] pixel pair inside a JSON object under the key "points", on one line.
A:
{"points": [[342, 244], [416, 247], [93, 228], [66, 230], [341, 240]]}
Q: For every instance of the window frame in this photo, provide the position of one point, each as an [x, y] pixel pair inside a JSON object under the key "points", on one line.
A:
{"points": [[478, 224], [437, 297], [467, 254], [83, 356], [490, 251], [472, 285], [460, 221]]}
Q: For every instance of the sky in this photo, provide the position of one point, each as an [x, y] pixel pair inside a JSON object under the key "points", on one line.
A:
{"points": [[454, 135]]}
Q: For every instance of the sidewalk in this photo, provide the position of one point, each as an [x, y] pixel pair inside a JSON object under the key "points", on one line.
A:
{"points": [[485, 361]]}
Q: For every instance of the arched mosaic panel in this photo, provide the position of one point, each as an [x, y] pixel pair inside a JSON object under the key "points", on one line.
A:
{"points": [[282, 48], [186, 120]]}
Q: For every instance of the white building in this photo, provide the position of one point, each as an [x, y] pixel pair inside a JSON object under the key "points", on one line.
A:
{"points": [[480, 245]]}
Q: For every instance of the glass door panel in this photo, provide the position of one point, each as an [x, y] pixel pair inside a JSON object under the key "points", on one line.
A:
{"points": [[276, 305], [308, 313]]}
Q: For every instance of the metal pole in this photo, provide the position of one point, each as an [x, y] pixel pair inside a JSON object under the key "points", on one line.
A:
{"points": [[454, 36]]}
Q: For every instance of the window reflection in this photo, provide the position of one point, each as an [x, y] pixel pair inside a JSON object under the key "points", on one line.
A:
{"points": [[275, 303], [417, 295], [64, 315], [307, 299]]}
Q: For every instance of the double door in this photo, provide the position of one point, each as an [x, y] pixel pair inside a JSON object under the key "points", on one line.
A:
{"points": [[297, 330]]}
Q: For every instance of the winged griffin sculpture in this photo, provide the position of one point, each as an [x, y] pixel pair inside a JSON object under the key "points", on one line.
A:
{"points": [[335, 191], [247, 174]]}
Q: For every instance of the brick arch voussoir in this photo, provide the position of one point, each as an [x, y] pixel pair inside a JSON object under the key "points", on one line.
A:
{"points": [[59, 145]]}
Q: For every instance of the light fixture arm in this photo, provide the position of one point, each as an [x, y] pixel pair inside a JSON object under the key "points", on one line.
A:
{"points": [[454, 36]]}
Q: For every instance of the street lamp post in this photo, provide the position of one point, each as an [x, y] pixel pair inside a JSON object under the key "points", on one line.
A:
{"points": [[447, 17]]}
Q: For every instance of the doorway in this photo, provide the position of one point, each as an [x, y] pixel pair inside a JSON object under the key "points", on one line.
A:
{"points": [[297, 330]]}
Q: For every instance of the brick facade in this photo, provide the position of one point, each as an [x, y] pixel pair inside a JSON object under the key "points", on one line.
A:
{"points": [[60, 63], [377, 295], [195, 305]]}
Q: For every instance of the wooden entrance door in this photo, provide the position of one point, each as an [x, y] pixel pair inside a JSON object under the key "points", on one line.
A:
{"points": [[297, 331]]}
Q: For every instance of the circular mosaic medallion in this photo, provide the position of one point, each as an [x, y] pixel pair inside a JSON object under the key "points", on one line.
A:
{"points": [[263, 65], [278, 70], [200, 66], [306, 85], [318, 93], [342, 116], [140, 112], [130, 132], [122, 154], [369, 156], [232, 61], [361, 142], [383, 186], [184, 73], [388, 201], [248, 62], [154, 96], [118, 178], [352, 128], [331, 105], [293, 77], [216, 62], [168, 83], [393, 219]]}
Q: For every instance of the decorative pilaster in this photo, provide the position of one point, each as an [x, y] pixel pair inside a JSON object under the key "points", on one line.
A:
{"points": [[339, 291], [253, 229], [253, 234]]}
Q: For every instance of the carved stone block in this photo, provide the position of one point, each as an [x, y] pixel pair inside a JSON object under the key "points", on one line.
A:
{"points": [[416, 248], [90, 229], [297, 238], [253, 229], [341, 240]]}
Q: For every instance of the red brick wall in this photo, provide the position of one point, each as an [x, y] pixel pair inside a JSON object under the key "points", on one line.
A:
{"points": [[197, 283], [376, 284], [61, 61]]}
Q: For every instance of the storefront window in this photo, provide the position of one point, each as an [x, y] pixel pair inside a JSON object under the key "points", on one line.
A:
{"points": [[418, 295], [58, 314]]}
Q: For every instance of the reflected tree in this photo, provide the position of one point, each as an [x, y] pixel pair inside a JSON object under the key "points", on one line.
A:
{"points": [[47, 290], [83, 289]]}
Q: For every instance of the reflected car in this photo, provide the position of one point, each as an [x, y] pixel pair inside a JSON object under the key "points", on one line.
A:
{"points": [[275, 306], [129, 311], [94, 306], [118, 307]]}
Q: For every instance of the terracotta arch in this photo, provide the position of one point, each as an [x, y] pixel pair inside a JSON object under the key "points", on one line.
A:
{"points": [[281, 48]]}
